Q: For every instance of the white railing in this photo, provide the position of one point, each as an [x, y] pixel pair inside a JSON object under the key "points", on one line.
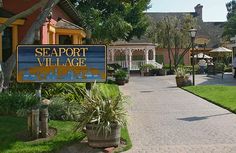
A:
{"points": [[135, 65], [157, 65]]}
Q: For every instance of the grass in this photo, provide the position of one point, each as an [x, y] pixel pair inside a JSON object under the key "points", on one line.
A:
{"points": [[125, 135], [224, 96], [11, 126]]}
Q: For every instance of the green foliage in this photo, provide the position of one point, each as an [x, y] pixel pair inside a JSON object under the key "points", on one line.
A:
{"points": [[231, 8], [120, 74], [228, 69], [180, 72], [220, 66], [11, 127], [124, 136], [230, 28], [172, 33], [53, 89], [114, 19], [65, 100], [23, 87], [230, 25], [146, 67], [16, 103], [62, 109], [102, 107]]}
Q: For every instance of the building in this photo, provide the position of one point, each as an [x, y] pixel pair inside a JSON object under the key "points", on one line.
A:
{"points": [[208, 37], [61, 26], [208, 34]]}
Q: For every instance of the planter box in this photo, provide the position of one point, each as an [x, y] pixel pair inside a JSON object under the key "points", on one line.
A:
{"points": [[120, 82], [182, 81], [100, 140], [162, 72]]}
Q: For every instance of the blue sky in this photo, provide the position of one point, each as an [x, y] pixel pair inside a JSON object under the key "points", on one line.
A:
{"points": [[213, 10]]}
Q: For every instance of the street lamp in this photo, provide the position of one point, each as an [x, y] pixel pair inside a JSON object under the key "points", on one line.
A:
{"points": [[192, 33]]}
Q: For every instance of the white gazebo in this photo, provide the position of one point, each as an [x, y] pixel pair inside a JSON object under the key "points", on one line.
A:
{"points": [[130, 50]]}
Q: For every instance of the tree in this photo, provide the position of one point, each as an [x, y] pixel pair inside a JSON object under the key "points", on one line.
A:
{"points": [[231, 8], [172, 33], [111, 20], [9, 65], [230, 25]]}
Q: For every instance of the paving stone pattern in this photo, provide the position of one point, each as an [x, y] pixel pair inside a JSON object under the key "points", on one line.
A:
{"points": [[166, 119]]}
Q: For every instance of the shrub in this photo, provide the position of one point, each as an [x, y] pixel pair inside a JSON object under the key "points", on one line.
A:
{"points": [[180, 72], [102, 107], [120, 74], [53, 89], [147, 67], [65, 100], [16, 103], [62, 109], [228, 69]]}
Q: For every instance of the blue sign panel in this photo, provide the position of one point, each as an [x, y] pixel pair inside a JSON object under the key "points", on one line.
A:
{"points": [[61, 63]]}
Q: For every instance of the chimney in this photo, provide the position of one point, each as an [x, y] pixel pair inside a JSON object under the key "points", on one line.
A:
{"points": [[198, 11]]}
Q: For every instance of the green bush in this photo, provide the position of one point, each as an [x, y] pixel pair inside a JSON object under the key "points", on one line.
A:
{"points": [[180, 72], [228, 69], [62, 109], [120, 74], [67, 105], [14, 103], [22, 87], [146, 67], [65, 100], [50, 90], [102, 107], [219, 66]]}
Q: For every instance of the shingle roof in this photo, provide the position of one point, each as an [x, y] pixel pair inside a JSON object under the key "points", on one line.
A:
{"points": [[70, 10], [67, 25]]}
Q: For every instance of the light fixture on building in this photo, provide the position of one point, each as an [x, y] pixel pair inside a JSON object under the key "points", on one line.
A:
{"points": [[49, 17], [192, 34]]}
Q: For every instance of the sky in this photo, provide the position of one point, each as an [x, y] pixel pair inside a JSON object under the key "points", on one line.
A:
{"points": [[213, 10]]}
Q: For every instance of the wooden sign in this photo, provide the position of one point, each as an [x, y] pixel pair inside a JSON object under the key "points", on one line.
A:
{"points": [[61, 63]]}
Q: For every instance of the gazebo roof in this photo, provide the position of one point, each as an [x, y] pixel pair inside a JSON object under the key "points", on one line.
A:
{"points": [[125, 44]]}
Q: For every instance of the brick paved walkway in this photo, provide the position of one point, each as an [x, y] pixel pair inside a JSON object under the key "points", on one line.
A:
{"points": [[166, 119]]}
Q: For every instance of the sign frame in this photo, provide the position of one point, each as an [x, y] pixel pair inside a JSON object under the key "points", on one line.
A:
{"points": [[55, 45]]}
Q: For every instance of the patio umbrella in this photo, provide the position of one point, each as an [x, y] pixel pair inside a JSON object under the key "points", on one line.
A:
{"points": [[221, 52], [201, 55]]}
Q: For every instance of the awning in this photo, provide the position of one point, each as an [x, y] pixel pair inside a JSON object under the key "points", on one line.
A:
{"points": [[201, 55]]}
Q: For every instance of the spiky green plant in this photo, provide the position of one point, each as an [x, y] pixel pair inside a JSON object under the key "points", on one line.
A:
{"points": [[102, 106], [180, 72]]}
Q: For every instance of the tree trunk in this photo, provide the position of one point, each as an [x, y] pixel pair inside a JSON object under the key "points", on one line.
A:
{"points": [[23, 14], [169, 55], [9, 65]]}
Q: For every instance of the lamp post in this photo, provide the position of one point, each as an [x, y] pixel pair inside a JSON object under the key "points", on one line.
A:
{"points": [[192, 33]]}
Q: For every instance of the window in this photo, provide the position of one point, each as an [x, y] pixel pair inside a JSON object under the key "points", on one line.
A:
{"points": [[65, 40], [6, 43]]}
